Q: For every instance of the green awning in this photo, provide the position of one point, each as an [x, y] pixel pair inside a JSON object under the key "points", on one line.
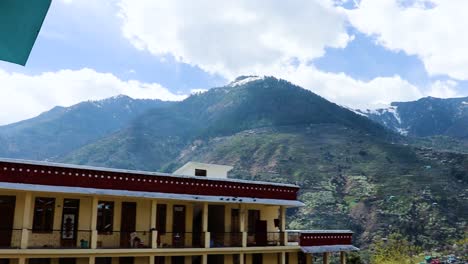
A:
{"points": [[20, 22]]}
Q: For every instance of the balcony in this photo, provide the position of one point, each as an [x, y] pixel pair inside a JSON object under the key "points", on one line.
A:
{"points": [[10, 238], [124, 239], [265, 239], [181, 240], [58, 239], [232, 239]]}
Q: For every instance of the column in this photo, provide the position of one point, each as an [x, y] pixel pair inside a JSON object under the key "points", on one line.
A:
{"points": [[205, 226], [94, 233], [204, 259], [92, 260], [26, 225], [342, 257], [326, 258], [282, 226], [21, 260], [242, 225], [151, 260], [154, 232], [241, 258], [283, 258]]}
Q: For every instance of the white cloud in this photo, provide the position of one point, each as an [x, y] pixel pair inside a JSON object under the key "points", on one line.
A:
{"points": [[444, 89], [245, 37], [24, 96], [432, 30], [344, 90], [232, 38]]}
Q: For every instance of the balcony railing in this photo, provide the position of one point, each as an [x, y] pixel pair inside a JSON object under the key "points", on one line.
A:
{"points": [[231, 239], [11, 238], [124, 239], [294, 237], [59, 239], [181, 240], [265, 239]]}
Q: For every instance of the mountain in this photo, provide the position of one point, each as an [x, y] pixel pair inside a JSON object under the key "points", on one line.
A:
{"points": [[353, 172], [63, 129], [425, 117], [156, 137]]}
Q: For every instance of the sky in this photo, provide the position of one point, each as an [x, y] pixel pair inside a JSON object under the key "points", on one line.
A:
{"points": [[362, 54]]}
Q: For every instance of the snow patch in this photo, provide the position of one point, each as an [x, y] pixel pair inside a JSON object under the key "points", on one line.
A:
{"points": [[246, 80]]}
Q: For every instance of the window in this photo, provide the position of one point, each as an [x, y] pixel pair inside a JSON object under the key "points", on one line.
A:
{"points": [[161, 219], [105, 217], [200, 172], [43, 214]]}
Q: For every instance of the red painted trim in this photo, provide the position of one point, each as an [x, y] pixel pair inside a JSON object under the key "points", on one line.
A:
{"points": [[308, 240], [87, 178]]}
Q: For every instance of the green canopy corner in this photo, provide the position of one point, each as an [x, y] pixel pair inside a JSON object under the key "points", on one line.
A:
{"points": [[20, 23]]}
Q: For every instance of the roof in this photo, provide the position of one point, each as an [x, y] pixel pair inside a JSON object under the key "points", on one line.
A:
{"points": [[323, 249], [28, 175], [153, 195], [149, 173], [322, 231], [20, 23]]}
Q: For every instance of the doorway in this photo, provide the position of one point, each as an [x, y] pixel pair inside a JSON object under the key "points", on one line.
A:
{"points": [[71, 209], [197, 225], [178, 226], [216, 225], [128, 223], [7, 208]]}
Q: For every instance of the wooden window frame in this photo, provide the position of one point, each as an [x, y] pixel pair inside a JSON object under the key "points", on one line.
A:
{"points": [[43, 222], [103, 221]]}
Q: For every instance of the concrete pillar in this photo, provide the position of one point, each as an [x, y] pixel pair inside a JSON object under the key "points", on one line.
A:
{"points": [[154, 232], [153, 216], [282, 227], [22, 261], [27, 221], [205, 218], [92, 260], [205, 225], [204, 259], [244, 239], [242, 220], [326, 259], [283, 258], [207, 239], [154, 239], [94, 212], [241, 258], [342, 257], [151, 260]]}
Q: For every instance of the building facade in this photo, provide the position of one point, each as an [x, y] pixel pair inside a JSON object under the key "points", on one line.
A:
{"points": [[68, 214]]}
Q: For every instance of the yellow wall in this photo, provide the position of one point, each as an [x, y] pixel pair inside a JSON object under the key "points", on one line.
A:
{"points": [[143, 223]]}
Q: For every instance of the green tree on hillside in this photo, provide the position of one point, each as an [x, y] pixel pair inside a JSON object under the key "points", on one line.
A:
{"points": [[394, 250]]}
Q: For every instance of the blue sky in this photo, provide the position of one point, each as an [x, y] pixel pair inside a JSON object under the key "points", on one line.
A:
{"points": [[362, 55]]}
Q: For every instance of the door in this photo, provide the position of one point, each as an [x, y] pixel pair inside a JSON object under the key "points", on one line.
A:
{"points": [[197, 226], [178, 226], [261, 233], [127, 223], [68, 236], [216, 225], [7, 209]]}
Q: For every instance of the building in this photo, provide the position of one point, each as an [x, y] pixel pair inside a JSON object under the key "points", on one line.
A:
{"points": [[68, 214]]}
